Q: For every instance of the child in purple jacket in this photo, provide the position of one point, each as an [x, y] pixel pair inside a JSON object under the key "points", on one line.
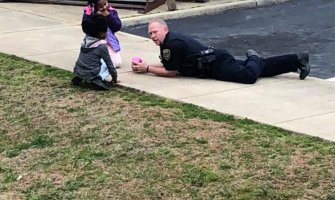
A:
{"points": [[102, 8]]}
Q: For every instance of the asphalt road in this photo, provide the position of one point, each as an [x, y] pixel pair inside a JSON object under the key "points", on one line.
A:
{"points": [[295, 26]]}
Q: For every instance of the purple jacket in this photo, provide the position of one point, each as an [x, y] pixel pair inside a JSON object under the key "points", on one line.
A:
{"points": [[114, 25]]}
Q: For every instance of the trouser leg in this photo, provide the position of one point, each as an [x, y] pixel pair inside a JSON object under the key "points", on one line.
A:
{"points": [[280, 64], [115, 57], [104, 73], [230, 69]]}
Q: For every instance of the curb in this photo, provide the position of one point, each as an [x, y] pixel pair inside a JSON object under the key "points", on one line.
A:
{"points": [[204, 10]]}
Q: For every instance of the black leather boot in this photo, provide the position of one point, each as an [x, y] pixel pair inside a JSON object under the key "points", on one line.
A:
{"points": [[304, 67]]}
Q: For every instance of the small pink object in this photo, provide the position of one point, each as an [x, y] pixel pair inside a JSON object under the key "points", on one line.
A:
{"points": [[136, 59], [88, 10]]}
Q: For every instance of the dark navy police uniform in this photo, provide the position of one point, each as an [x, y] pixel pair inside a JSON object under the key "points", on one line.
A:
{"points": [[179, 53]]}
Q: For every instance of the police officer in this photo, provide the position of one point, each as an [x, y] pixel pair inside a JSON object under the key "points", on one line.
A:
{"points": [[180, 54]]}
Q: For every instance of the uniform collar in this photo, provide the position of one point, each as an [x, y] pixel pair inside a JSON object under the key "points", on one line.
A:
{"points": [[166, 38]]}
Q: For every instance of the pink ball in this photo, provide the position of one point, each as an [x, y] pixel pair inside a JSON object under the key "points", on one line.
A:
{"points": [[136, 59]]}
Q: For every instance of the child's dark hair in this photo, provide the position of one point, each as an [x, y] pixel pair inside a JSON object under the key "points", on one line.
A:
{"points": [[92, 2], [94, 26]]}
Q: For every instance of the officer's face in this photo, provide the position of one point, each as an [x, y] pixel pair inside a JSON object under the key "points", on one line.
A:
{"points": [[157, 32]]}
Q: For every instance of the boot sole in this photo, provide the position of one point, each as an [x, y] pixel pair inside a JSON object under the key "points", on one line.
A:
{"points": [[305, 68]]}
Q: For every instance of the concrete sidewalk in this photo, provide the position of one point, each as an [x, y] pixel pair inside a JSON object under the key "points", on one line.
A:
{"points": [[51, 34]]}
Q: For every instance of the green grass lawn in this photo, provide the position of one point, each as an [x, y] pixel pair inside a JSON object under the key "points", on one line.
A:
{"points": [[58, 141]]}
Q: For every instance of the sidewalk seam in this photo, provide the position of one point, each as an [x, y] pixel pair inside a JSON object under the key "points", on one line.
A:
{"points": [[311, 116]]}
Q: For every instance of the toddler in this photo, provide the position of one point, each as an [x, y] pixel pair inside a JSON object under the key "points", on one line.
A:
{"points": [[94, 64]]}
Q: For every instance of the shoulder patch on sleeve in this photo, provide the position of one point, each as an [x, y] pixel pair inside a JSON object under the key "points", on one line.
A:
{"points": [[166, 54]]}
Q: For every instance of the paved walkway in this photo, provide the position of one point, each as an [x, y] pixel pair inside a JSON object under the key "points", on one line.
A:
{"points": [[51, 34]]}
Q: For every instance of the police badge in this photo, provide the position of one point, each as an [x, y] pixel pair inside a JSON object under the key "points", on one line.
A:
{"points": [[166, 54]]}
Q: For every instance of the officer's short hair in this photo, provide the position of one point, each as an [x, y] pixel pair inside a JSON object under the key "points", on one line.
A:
{"points": [[94, 25], [160, 21]]}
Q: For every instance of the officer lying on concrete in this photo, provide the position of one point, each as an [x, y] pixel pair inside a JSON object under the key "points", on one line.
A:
{"points": [[180, 54]]}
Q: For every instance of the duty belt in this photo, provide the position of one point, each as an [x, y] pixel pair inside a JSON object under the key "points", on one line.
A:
{"points": [[205, 60]]}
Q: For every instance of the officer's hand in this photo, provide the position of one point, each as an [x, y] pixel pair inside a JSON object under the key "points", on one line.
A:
{"points": [[139, 67]]}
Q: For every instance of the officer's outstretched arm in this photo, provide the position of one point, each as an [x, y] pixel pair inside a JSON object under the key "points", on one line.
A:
{"points": [[161, 71]]}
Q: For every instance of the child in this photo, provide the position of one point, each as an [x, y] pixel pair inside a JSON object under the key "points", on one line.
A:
{"points": [[102, 8], [94, 50]]}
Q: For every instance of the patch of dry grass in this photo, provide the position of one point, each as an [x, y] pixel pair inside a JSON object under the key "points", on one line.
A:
{"points": [[63, 142]]}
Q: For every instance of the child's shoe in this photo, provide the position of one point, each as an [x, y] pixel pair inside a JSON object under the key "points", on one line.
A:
{"points": [[76, 80], [98, 84]]}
